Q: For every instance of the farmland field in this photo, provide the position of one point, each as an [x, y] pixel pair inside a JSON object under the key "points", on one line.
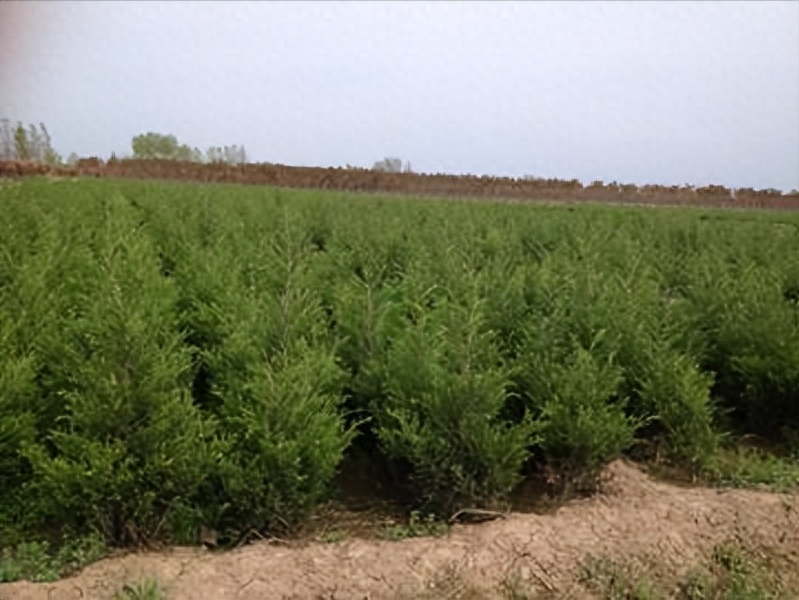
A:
{"points": [[179, 356]]}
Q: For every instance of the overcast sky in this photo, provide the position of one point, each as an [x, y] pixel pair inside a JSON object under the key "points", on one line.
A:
{"points": [[638, 92]]}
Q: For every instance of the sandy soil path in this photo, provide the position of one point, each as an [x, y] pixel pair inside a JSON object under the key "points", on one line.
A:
{"points": [[631, 518]]}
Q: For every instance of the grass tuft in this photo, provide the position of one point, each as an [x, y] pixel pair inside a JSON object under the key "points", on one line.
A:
{"points": [[417, 526], [146, 589]]}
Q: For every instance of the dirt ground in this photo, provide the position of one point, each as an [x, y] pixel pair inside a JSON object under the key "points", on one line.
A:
{"points": [[670, 528]]}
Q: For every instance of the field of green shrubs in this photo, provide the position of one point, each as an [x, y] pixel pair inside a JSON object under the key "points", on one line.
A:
{"points": [[175, 356]]}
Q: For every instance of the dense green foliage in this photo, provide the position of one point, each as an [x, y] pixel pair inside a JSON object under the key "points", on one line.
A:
{"points": [[176, 356]]}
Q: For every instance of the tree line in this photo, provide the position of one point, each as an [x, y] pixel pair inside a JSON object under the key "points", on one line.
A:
{"points": [[153, 145], [33, 143]]}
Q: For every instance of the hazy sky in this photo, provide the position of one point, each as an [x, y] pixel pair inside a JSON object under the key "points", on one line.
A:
{"points": [[640, 92]]}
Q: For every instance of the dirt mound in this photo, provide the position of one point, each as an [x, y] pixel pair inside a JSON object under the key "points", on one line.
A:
{"points": [[668, 527], [413, 184]]}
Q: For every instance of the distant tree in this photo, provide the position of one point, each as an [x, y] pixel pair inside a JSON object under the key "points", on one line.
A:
{"points": [[51, 157], [21, 142], [54, 159], [232, 155], [35, 144], [236, 155], [7, 147], [214, 154], [183, 153], [31, 143], [388, 165], [155, 145], [72, 159]]}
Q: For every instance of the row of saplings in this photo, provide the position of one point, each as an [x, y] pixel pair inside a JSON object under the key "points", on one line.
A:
{"points": [[143, 433]]}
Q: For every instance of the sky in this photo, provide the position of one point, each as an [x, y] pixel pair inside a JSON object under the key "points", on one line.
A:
{"points": [[636, 92]]}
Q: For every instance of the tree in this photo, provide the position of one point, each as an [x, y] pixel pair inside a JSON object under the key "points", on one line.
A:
{"points": [[155, 145], [35, 144], [51, 157], [214, 154], [235, 155], [31, 143], [388, 165], [232, 155], [197, 155], [7, 147], [183, 153], [21, 142]]}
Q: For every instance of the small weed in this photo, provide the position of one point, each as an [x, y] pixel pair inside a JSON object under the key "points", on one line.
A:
{"points": [[732, 574], [146, 589], [30, 561], [78, 552], [418, 526], [616, 581], [743, 577], [334, 536], [33, 561], [696, 586], [748, 467]]}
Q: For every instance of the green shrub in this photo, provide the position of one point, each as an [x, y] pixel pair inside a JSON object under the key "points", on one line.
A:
{"points": [[273, 384], [582, 423], [761, 378], [129, 446], [17, 393], [367, 320], [676, 394], [286, 440], [35, 561], [446, 391], [176, 356], [30, 561], [751, 332]]}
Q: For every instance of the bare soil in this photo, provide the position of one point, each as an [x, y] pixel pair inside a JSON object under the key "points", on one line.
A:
{"points": [[632, 518], [413, 184]]}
